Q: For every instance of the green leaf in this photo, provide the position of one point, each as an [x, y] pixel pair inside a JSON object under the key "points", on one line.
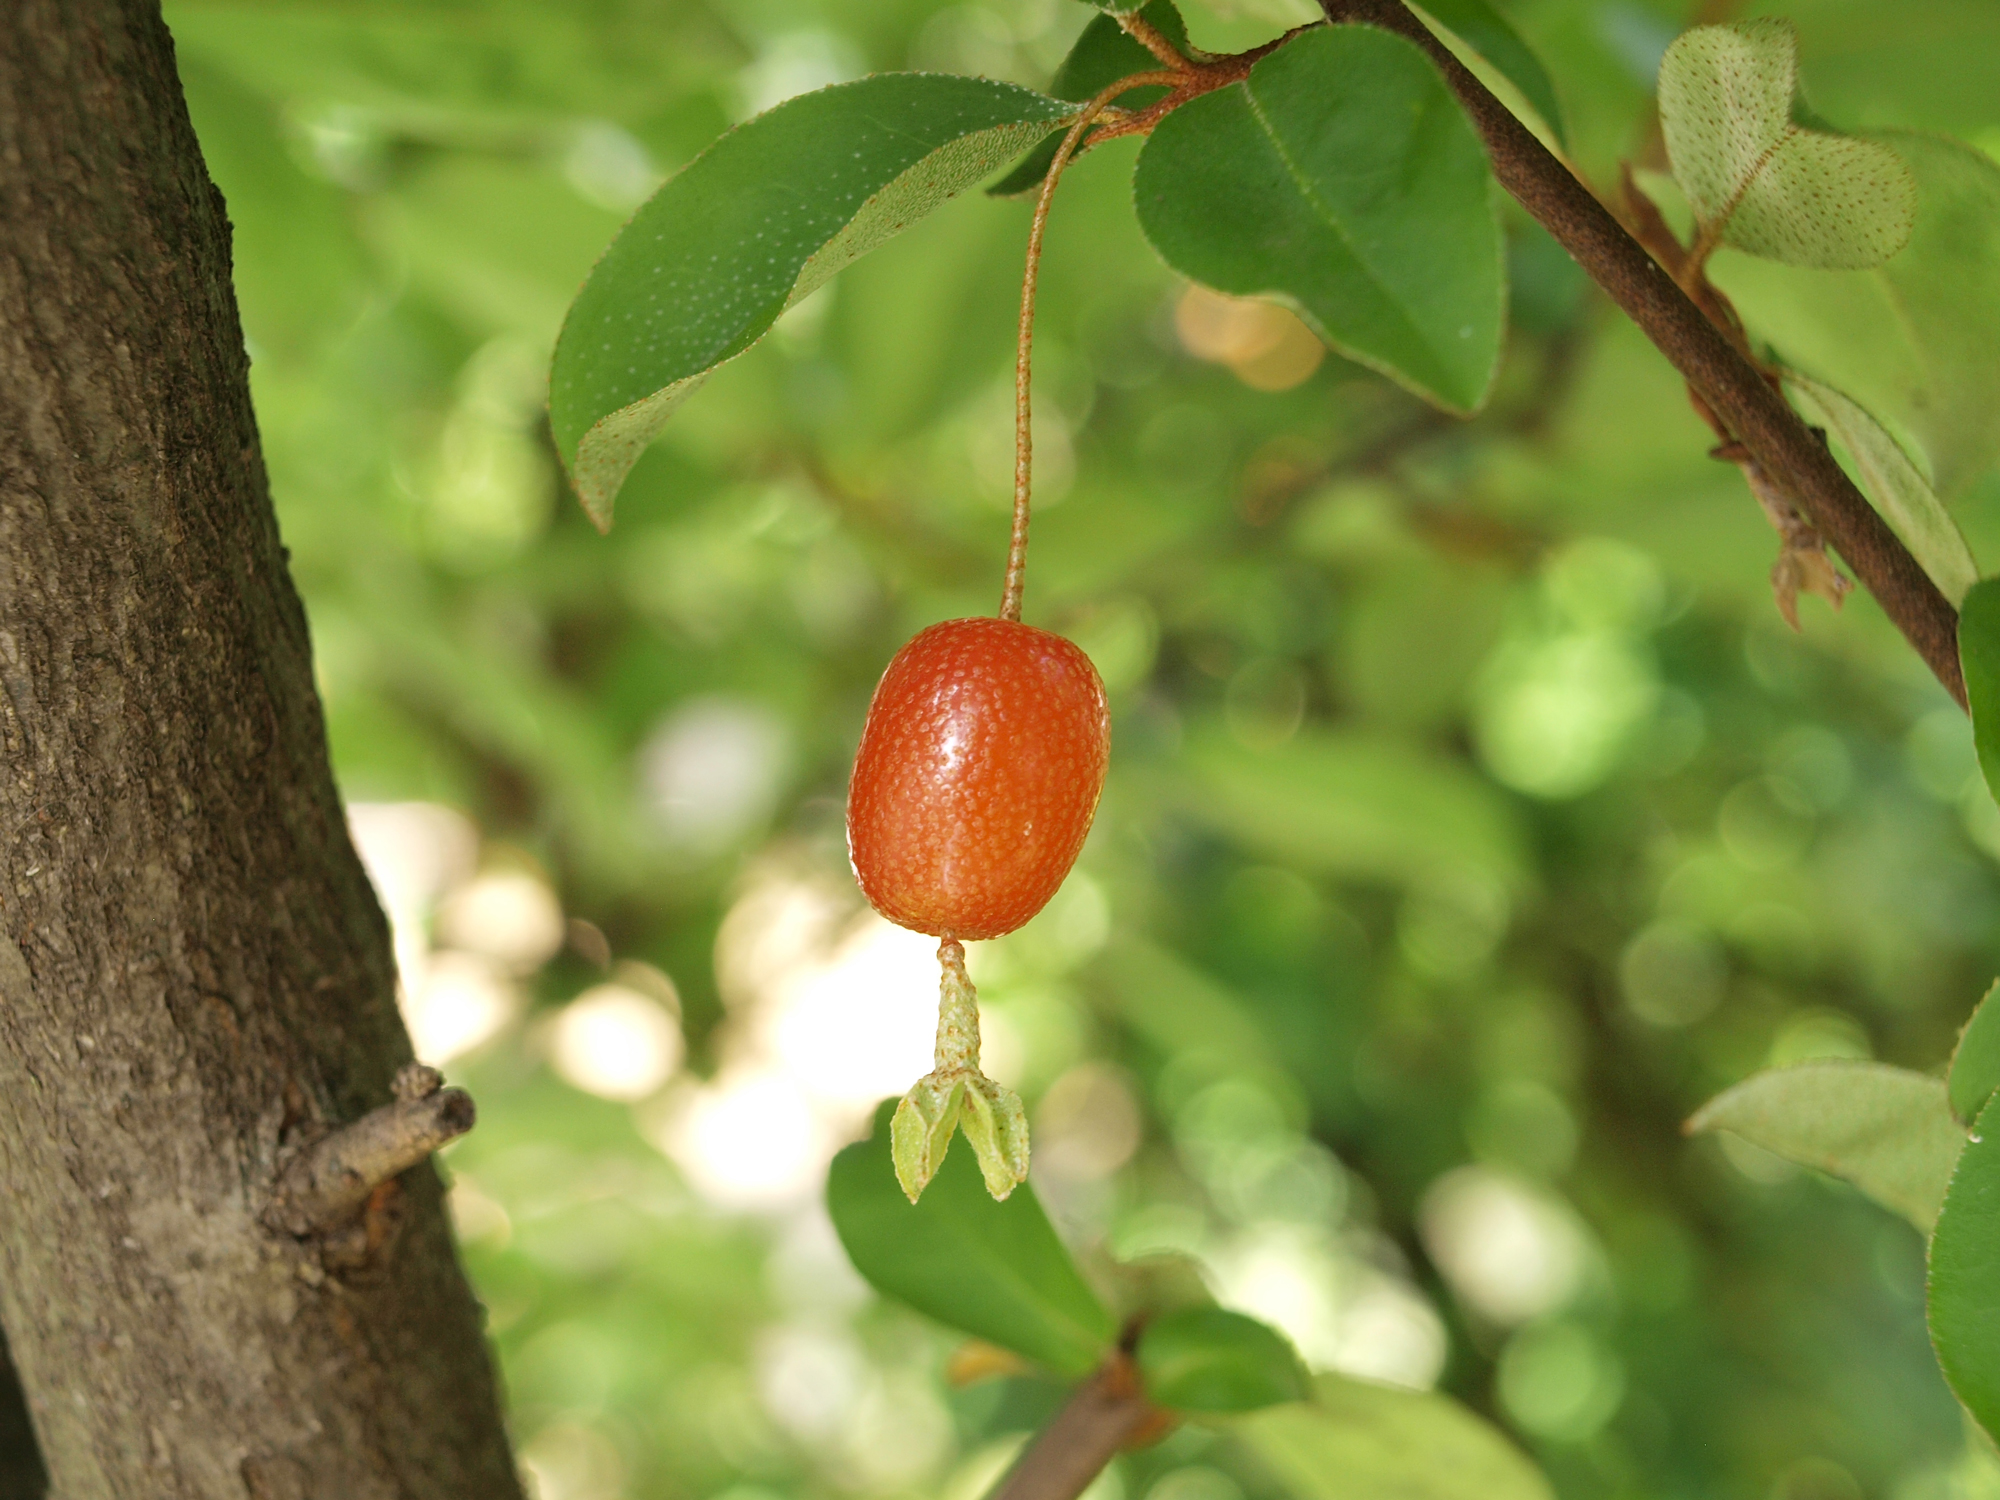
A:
{"points": [[1975, 1061], [1486, 32], [1149, 1286], [1211, 1359], [483, 73], [1103, 54], [1897, 486], [1928, 63], [1178, 1008], [1758, 180], [1912, 340], [1886, 1130], [761, 219], [1376, 807], [1979, 659], [992, 1269], [1964, 1283], [1355, 1438], [1341, 179]]}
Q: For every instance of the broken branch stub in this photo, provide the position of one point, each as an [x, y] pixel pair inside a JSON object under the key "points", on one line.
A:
{"points": [[329, 1182]]}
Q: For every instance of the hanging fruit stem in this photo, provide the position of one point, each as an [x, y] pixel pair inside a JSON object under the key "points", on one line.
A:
{"points": [[1017, 546]]}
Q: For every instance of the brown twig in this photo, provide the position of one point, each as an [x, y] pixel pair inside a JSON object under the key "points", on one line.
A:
{"points": [[1203, 77], [1107, 1413], [1754, 413], [329, 1183]]}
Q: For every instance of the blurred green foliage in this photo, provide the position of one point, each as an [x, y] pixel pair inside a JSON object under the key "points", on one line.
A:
{"points": [[1472, 819]]}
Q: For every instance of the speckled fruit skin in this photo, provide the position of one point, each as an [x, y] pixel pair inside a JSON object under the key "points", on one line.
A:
{"points": [[978, 774]]}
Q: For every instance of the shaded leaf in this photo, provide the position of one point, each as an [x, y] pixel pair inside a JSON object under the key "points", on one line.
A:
{"points": [[1975, 1062], [1979, 659], [992, 1269], [1911, 340], [1148, 1286], [476, 73], [1103, 54], [1178, 1008], [1886, 1130], [1897, 486], [1356, 1438], [762, 218], [1964, 1289], [1341, 179], [1375, 807], [1928, 63], [1486, 32], [1211, 1359], [1758, 180]]}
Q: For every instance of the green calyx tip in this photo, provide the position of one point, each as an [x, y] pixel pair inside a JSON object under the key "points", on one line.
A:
{"points": [[940, 1104]]}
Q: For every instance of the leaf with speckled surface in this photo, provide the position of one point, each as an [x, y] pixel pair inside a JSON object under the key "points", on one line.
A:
{"points": [[1757, 179], [759, 221]]}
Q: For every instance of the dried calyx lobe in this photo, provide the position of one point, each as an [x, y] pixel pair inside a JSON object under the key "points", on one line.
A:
{"points": [[977, 778]]}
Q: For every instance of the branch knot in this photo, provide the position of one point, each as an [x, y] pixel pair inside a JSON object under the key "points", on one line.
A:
{"points": [[328, 1184]]}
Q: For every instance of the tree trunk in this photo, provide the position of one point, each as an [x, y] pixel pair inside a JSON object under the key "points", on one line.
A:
{"points": [[195, 979]]}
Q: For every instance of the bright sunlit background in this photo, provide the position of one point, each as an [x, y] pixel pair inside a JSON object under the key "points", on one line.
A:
{"points": [[1472, 818]]}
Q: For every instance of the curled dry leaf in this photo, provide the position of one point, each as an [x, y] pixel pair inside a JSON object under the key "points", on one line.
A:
{"points": [[1802, 565]]}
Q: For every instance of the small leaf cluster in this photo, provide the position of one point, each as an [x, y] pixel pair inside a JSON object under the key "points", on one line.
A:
{"points": [[998, 1272], [1925, 1147], [1758, 171], [1336, 176]]}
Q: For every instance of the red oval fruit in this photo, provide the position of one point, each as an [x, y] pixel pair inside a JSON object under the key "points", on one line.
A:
{"points": [[978, 774]]}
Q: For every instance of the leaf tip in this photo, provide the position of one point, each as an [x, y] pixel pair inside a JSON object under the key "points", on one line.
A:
{"points": [[599, 514]]}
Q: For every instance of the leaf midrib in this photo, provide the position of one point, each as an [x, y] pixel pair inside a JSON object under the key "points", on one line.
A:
{"points": [[1326, 212], [972, 1246], [1026, 1288]]}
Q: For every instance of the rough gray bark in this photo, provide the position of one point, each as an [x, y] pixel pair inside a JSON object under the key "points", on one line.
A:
{"points": [[195, 980]]}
